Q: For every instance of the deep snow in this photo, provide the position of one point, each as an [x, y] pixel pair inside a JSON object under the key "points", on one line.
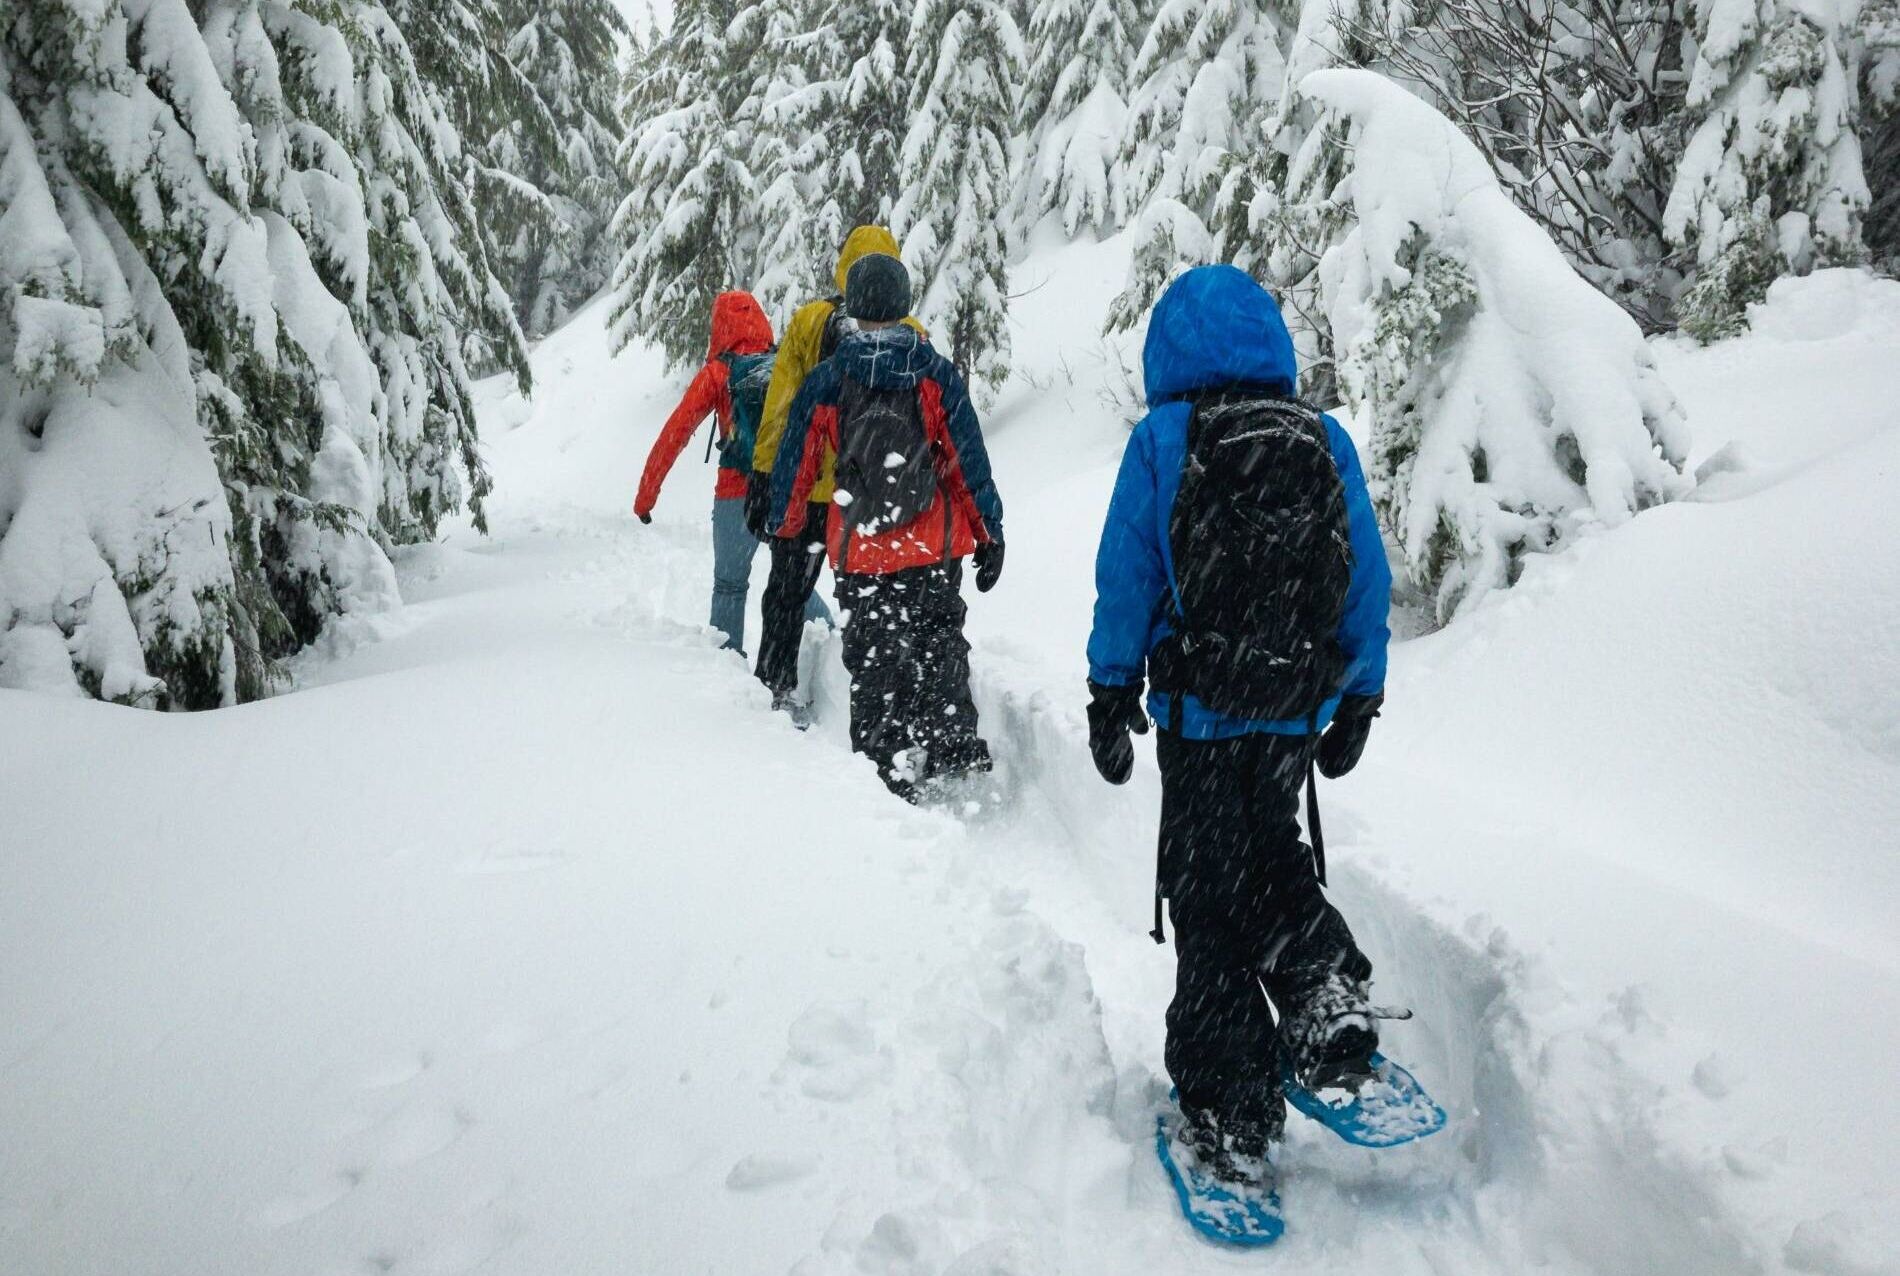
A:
{"points": [[524, 938]]}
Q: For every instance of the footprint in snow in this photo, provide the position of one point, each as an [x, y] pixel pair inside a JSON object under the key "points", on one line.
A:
{"points": [[294, 1207], [512, 862], [394, 1071], [834, 1053], [417, 1131], [752, 1173]]}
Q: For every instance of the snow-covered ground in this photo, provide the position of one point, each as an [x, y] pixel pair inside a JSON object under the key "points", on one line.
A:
{"points": [[524, 938]]}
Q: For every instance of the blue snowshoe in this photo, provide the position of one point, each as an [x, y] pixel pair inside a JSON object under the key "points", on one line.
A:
{"points": [[1235, 1206], [1380, 1106]]}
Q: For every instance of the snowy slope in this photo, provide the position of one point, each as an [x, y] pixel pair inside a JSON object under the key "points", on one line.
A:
{"points": [[577, 959]]}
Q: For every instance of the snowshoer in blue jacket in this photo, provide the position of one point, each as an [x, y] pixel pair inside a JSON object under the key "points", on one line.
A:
{"points": [[1264, 653]]}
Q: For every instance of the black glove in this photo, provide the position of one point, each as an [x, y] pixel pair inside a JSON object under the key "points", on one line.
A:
{"points": [[1113, 713], [758, 504], [989, 565], [1345, 740], [644, 518]]}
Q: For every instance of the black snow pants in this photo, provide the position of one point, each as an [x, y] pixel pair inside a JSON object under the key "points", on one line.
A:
{"points": [[910, 673], [1248, 914], [796, 562]]}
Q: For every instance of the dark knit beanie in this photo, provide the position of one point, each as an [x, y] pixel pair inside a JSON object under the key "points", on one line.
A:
{"points": [[877, 289]]}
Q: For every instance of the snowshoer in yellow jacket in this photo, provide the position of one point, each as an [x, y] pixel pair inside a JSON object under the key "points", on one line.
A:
{"points": [[808, 341]]}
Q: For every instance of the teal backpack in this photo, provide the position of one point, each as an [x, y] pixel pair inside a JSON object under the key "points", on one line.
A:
{"points": [[747, 376]]}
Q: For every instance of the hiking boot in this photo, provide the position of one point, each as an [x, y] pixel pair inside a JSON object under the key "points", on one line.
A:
{"points": [[954, 760], [1328, 1034], [788, 703], [1229, 1150]]}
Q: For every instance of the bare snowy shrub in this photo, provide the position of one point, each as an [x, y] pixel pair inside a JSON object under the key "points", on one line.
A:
{"points": [[1576, 104]]}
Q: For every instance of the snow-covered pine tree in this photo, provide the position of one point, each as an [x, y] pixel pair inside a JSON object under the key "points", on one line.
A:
{"points": [[1207, 74], [688, 224], [115, 568], [1770, 181], [460, 51], [1511, 403], [965, 60], [1072, 108], [784, 121], [647, 78], [238, 263], [555, 188], [868, 113], [964, 67], [1279, 220]]}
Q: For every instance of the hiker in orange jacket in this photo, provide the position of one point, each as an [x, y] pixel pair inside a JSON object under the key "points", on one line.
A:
{"points": [[730, 385]]}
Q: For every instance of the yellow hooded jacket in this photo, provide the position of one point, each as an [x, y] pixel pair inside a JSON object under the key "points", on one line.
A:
{"points": [[798, 354]]}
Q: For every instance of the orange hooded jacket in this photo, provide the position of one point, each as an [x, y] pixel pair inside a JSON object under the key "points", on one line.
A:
{"points": [[739, 326]]}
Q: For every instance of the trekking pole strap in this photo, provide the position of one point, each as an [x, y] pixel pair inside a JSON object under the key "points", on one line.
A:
{"points": [[1158, 934], [1312, 821]]}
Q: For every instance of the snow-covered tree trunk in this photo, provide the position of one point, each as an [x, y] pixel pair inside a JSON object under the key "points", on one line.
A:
{"points": [[965, 61], [1511, 403], [1880, 129]]}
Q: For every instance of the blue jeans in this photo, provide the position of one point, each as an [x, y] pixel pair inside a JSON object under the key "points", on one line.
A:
{"points": [[733, 548]]}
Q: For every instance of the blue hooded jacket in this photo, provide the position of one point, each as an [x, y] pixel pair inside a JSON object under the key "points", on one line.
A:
{"points": [[1215, 327]]}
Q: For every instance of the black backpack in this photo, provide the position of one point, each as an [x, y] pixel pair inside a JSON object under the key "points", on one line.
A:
{"points": [[1262, 561], [887, 469], [838, 326]]}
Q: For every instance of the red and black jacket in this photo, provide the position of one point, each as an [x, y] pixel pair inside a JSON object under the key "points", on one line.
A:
{"points": [[967, 511]]}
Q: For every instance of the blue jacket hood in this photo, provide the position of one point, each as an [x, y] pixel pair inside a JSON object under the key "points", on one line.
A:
{"points": [[892, 358], [1215, 326]]}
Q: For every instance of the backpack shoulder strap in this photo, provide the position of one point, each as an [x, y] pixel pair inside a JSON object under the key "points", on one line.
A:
{"points": [[834, 329]]}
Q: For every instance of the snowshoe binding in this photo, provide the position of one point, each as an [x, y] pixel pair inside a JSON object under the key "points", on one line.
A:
{"points": [[1380, 1105], [1333, 1073]]}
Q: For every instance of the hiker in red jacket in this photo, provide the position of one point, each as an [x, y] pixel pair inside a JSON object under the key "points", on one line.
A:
{"points": [[731, 384], [892, 419]]}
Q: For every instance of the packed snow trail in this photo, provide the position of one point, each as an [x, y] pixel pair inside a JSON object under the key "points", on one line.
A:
{"points": [[523, 937]]}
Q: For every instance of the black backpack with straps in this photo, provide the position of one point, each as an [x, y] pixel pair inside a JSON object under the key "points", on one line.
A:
{"points": [[1262, 561], [887, 468]]}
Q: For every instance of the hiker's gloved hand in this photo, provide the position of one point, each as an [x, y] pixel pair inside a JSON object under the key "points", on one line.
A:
{"points": [[758, 504], [989, 565], [643, 515], [1113, 713], [1345, 740]]}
